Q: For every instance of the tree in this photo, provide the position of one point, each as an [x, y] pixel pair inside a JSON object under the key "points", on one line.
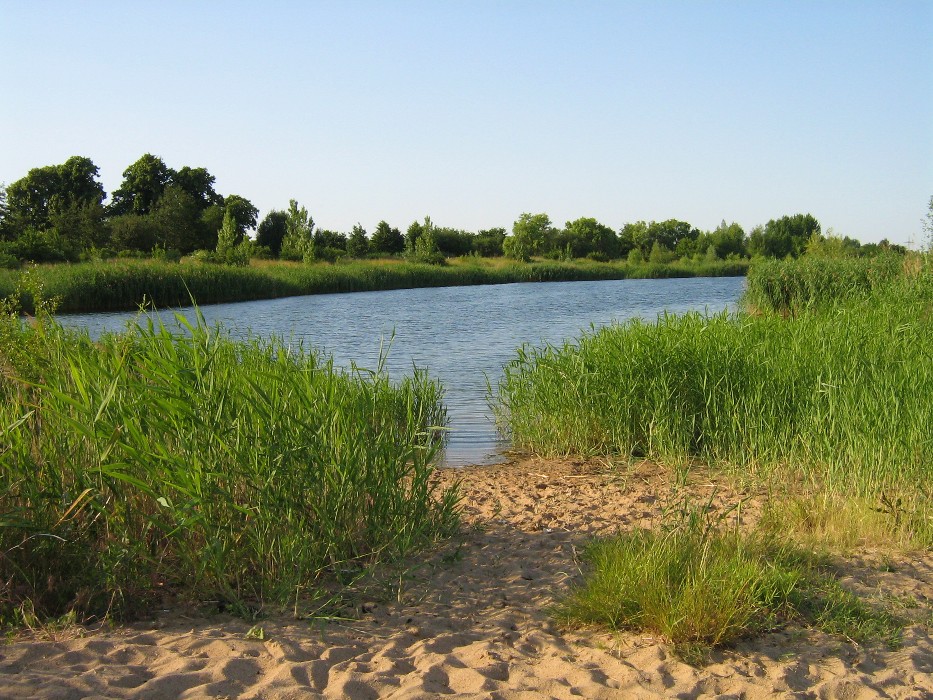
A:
{"points": [[243, 212], [411, 236], [177, 216], [44, 192], [729, 239], [271, 231], [488, 242], [298, 241], [143, 184], [199, 184], [779, 238], [387, 240], [357, 243], [531, 234], [586, 236]]}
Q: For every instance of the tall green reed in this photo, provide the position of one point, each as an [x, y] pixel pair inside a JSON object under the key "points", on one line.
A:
{"points": [[180, 460], [839, 399], [125, 284]]}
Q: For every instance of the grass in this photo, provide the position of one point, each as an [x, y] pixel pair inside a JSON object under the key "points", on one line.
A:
{"points": [[699, 584], [837, 400], [180, 462], [125, 284], [823, 397]]}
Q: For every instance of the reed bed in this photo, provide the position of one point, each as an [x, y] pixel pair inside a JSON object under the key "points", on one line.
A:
{"points": [[167, 461], [838, 400], [125, 284], [792, 286]]}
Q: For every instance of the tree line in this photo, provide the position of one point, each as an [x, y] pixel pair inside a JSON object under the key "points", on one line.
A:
{"points": [[60, 213]]}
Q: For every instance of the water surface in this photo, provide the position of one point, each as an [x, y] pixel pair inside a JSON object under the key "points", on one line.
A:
{"points": [[462, 335]]}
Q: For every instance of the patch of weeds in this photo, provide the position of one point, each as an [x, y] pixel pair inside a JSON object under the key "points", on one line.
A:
{"points": [[699, 585]]}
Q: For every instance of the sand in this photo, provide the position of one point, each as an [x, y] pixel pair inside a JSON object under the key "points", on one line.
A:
{"points": [[471, 620]]}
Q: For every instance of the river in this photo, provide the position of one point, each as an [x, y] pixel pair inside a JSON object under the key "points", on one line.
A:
{"points": [[461, 335]]}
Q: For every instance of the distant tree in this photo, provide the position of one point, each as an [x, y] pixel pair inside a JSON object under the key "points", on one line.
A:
{"points": [[325, 238], [227, 237], [424, 248], [531, 234], [660, 253], [143, 184], [178, 218], [298, 242], [198, 183], [729, 239], [453, 242], [243, 212], [358, 243], [586, 236], [271, 231], [133, 232], [411, 237], [488, 242], [787, 236], [4, 212], [387, 240], [33, 200], [832, 246]]}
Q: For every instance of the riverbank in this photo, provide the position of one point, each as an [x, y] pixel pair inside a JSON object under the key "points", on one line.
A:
{"points": [[473, 620], [123, 285]]}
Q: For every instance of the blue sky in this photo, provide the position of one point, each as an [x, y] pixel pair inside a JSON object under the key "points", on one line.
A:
{"points": [[474, 112]]}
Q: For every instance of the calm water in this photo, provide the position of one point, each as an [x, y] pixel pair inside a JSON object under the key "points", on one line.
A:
{"points": [[462, 335]]}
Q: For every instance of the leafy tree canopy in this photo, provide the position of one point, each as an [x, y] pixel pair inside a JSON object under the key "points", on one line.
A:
{"points": [[143, 184], [43, 192], [386, 239]]}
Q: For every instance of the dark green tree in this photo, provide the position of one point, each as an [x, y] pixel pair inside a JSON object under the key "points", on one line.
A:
{"points": [[586, 236], [387, 240], [143, 184], [43, 192], [177, 216], [787, 236], [488, 242], [199, 184], [357, 243], [243, 212], [271, 231], [411, 237]]}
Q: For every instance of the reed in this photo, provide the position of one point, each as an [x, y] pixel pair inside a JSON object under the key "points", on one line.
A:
{"points": [[180, 462], [837, 400], [125, 284], [792, 286]]}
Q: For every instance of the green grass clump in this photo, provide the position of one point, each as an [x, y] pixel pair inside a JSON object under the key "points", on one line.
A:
{"points": [[698, 585], [180, 461], [839, 399], [808, 283], [125, 284]]}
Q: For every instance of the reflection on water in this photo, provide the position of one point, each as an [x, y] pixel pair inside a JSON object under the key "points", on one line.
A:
{"points": [[462, 335]]}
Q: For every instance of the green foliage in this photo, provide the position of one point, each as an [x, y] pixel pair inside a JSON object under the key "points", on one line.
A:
{"points": [[33, 200], [358, 243], [425, 249], [298, 241], [387, 240], [243, 212], [125, 283], [586, 236], [817, 281], [488, 242], [532, 234], [143, 184], [250, 472], [841, 397], [699, 584], [229, 251], [272, 230], [787, 236]]}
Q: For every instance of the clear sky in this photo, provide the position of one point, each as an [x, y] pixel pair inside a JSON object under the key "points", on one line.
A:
{"points": [[474, 112]]}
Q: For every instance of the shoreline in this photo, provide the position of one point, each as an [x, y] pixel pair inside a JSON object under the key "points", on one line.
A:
{"points": [[123, 285], [470, 618]]}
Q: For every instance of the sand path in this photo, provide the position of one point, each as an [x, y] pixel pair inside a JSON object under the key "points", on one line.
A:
{"points": [[471, 621]]}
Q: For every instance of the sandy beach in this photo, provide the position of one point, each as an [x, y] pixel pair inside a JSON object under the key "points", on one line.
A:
{"points": [[471, 620]]}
